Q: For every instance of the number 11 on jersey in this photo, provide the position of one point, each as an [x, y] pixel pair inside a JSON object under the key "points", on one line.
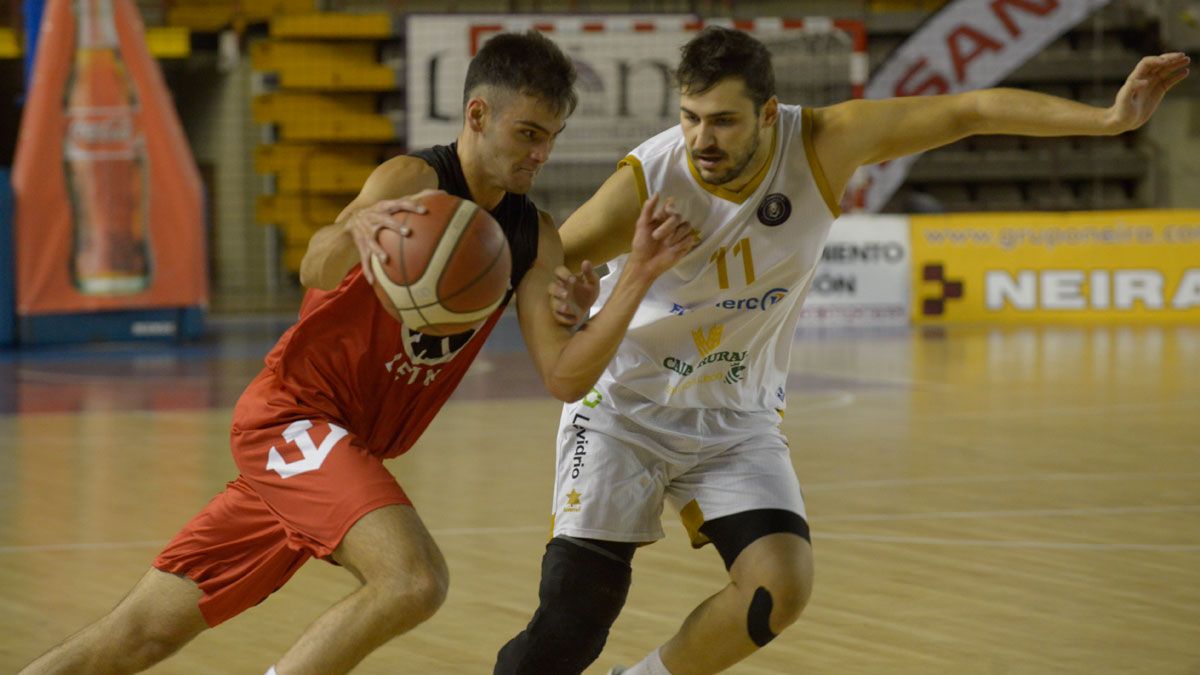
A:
{"points": [[740, 249]]}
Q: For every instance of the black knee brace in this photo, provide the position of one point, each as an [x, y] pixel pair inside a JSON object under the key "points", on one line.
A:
{"points": [[581, 594]]}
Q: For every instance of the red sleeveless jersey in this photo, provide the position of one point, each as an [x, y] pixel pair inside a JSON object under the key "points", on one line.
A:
{"points": [[350, 361]]}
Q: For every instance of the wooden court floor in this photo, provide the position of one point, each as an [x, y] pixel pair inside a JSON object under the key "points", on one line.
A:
{"points": [[983, 500]]}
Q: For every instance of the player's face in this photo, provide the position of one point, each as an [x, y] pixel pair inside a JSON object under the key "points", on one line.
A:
{"points": [[520, 137], [721, 130]]}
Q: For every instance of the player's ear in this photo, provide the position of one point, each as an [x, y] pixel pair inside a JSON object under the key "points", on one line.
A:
{"points": [[477, 113], [770, 111]]}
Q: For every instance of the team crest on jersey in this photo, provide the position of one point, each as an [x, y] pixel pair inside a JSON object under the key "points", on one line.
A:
{"points": [[775, 209], [422, 349], [423, 353]]}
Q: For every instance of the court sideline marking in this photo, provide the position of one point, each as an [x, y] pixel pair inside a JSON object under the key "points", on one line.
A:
{"points": [[851, 537]]}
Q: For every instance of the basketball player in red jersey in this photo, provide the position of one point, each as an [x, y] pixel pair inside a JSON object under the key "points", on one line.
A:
{"points": [[348, 386]]}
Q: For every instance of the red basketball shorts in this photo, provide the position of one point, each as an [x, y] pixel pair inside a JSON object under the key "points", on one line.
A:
{"points": [[304, 482]]}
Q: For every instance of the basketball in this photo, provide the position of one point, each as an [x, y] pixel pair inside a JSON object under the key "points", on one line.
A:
{"points": [[450, 274]]}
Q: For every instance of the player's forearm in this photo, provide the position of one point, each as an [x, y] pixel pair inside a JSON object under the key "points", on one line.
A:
{"points": [[587, 353], [331, 253], [1027, 113]]}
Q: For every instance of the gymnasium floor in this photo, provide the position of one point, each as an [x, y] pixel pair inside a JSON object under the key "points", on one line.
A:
{"points": [[983, 500]]}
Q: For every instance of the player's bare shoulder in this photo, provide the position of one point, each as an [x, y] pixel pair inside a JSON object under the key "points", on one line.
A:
{"points": [[838, 141], [399, 176]]}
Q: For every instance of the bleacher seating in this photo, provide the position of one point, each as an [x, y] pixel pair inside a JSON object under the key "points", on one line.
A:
{"points": [[322, 81]]}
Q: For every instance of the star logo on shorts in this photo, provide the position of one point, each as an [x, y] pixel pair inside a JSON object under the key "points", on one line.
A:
{"points": [[573, 498]]}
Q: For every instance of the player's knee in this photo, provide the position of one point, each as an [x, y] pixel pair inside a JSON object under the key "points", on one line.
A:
{"points": [[582, 582], [143, 643], [779, 592], [412, 596], [790, 598], [150, 650], [427, 594], [581, 593], [768, 553]]}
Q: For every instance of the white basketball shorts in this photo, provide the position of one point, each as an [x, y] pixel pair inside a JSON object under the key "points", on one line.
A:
{"points": [[621, 456]]}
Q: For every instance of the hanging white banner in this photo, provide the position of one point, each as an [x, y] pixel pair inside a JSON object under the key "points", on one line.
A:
{"points": [[969, 44], [626, 89]]}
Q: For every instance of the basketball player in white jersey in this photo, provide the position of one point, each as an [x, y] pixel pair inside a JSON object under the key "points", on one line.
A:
{"points": [[687, 411]]}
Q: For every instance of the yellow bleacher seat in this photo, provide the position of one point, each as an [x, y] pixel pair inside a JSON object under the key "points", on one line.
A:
{"points": [[271, 55], [164, 42], [278, 156], [10, 47], [352, 127], [367, 78], [214, 15], [337, 25], [316, 210], [169, 42], [292, 256], [288, 107], [317, 178]]}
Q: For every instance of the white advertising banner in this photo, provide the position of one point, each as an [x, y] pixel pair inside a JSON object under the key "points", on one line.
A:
{"points": [[625, 63], [968, 44], [865, 273]]}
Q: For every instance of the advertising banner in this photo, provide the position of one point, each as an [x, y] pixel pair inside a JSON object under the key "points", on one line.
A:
{"points": [[109, 206], [863, 278], [968, 44], [626, 88], [1114, 266]]}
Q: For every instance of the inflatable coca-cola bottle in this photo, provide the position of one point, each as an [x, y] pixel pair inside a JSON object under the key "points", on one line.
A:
{"points": [[105, 161]]}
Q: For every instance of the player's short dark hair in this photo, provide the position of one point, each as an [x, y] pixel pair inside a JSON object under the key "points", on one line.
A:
{"points": [[718, 53], [527, 63]]}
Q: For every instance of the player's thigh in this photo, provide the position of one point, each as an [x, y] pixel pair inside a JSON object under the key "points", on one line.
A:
{"points": [[607, 485], [317, 477], [392, 545], [754, 475], [236, 550]]}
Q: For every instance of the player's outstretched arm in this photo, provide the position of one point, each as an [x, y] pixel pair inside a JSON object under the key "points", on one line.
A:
{"points": [[851, 134], [570, 363], [393, 186]]}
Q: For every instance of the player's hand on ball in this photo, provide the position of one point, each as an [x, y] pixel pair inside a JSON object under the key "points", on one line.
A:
{"points": [[364, 226], [661, 238], [1150, 80], [572, 295]]}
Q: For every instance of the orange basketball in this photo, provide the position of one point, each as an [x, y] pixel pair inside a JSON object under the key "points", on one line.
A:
{"points": [[450, 274]]}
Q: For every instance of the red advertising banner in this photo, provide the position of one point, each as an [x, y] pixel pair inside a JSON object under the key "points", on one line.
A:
{"points": [[109, 205]]}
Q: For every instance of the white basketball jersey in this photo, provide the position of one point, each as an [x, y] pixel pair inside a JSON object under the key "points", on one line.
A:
{"points": [[715, 331]]}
